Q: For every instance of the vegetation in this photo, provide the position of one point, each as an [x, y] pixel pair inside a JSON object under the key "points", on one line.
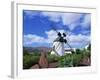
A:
{"points": [[75, 59], [65, 61], [29, 60], [52, 58], [68, 60]]}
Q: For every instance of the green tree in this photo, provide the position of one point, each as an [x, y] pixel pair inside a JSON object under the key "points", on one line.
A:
{"points": [[89, 47], [25, 52], [78, 51]]}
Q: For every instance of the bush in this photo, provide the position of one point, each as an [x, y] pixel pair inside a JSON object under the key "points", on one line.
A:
{"points": [[70, 60], [65, 61], [29, 60], [52, 58], [78, 51], [77, 58]]}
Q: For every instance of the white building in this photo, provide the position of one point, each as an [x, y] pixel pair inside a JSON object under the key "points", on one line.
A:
{"points": [[69, 51]]}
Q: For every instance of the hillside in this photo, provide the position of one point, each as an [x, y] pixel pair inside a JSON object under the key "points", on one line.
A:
{"points": [[37, 49]]}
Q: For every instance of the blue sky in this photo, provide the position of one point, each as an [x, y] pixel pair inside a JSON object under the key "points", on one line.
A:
{"points": [[38, 28]]}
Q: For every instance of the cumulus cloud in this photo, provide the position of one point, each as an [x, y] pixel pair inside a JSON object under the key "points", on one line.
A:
{"points": [[32, 38], [51, 35], [86, 22], [79, 40], [69, 19], [53, 16]]}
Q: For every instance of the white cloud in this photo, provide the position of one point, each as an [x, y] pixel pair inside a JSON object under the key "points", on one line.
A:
{"points": [[51, 35], [86, 22], [74, 40], [53, 16], [31, 38], [79, 40], [69, 19]]}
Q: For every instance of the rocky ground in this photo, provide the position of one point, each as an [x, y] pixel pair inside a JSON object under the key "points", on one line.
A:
{"points": [[43, 63]]}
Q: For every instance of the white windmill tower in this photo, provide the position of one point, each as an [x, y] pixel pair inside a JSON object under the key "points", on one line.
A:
{"points": [[58, 44]]}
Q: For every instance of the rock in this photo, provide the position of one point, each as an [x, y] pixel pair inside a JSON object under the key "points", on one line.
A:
{"points": [[36, 66], [86, 61], [43, 62], [53, 65]]}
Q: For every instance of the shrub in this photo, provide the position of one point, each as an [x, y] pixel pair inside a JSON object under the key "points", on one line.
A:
{"points": [[65, 61], [52, 58], [29, 60], [70, 60], [77, 58], [78, 51]]}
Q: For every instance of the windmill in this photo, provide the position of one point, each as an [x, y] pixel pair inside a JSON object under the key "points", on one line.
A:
{"points": [[59, 42]]}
